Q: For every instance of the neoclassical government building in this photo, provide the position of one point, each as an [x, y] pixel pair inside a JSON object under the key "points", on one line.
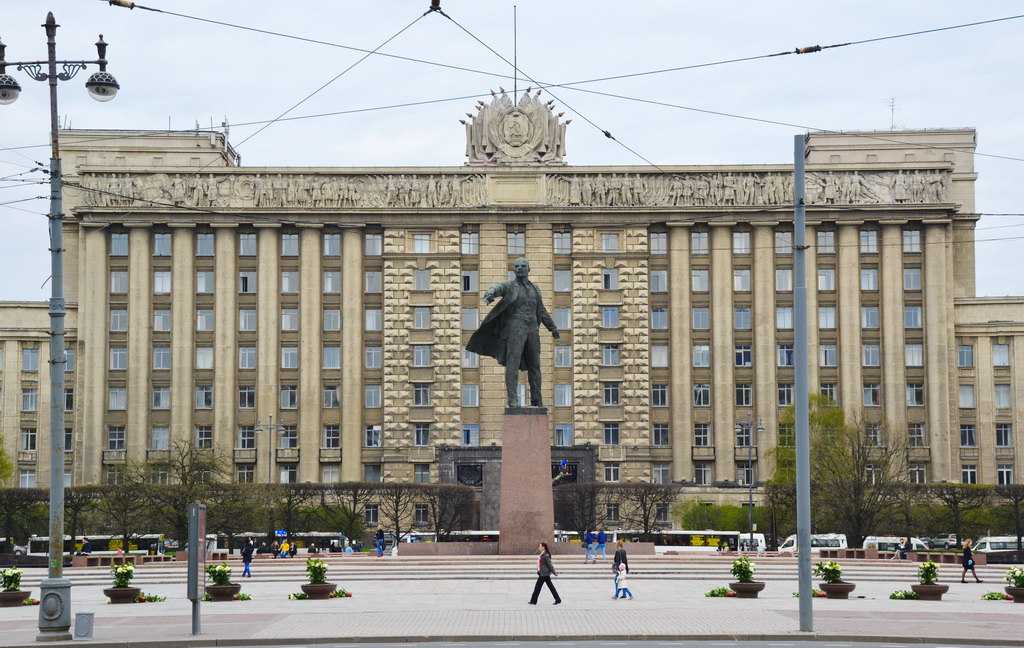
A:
{"points": [[310, 323]]}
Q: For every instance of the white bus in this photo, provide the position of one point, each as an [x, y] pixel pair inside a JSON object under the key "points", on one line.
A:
{"points": [[687, 540], [819, 541]]}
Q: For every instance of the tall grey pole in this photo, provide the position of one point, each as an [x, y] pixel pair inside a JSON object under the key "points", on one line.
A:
{"points": [[803, 454], [55, 590]]}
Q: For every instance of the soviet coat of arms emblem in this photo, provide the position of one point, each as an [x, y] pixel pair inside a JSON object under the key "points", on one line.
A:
{"points": [[523, 132]]}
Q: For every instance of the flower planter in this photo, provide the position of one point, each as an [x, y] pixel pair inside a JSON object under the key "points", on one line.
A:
{"points": [[221, 593], [16, 597], [747, 589], [119, 595], [930, 592], [840, 590], [1016, 592], [321, 591]]}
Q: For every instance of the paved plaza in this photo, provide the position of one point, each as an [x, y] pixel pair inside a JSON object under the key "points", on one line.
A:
{"points": [[480, 599]]}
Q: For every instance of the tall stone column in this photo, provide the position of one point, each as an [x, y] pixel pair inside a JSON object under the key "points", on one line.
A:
{"points": [[140, 354], [851, 397], [527, 515], [680, 397], [352, 354], [310, 352], [183, 332]]}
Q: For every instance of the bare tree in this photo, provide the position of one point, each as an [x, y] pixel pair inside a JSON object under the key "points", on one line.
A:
{"points": [[644, 504], [232, 510], [125, 506], [341, 507], [22, 513], [959, 499], [79, 501], [576, 506], [192, 471], [857, 473], [396, 500], [449, 507], [1012, 496]]}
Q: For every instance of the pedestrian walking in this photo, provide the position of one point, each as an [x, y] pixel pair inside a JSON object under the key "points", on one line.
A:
{"points": [[379, 540], [588, 545], [248, 547], [600, 545], [620, 562], [545, 570], [621, 586], [969, 561]]}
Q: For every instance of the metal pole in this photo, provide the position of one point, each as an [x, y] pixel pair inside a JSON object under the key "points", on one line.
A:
{"points": [[802, 397], [750, 489], [270, 450], [55, 590]]}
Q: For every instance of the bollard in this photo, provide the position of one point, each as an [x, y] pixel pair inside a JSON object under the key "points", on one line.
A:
{"points": [[83, 626]]}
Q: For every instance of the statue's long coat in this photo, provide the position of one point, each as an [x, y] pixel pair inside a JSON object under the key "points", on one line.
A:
{"points": [[490, 339]]}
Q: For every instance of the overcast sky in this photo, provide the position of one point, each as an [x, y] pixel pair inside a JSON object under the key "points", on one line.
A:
{"points": [[176, 72]]}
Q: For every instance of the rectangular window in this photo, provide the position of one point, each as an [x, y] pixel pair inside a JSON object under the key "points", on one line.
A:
{"points": [[915, 435], [659, 281], [470, 435], [743, 355], [563, 434], [741, 318], [659, 318], [115, 438], [332, 398], [1001, 355], [118, 244], [659, 395], [611, 434], [373, 357], [69, 400], [247, 245], [372, 396], [470, 395], [372, 282], [289, 281], [609, 242], [420, 318], [204, 357], [702, 434], [968, 474], [826, 279], [117, 398], [421, 280], [701, 355], [289, 437], [872, 394], [29, 400], [370, 515], [1004, 474], [471, 360], [611, 393], [912, 279], [869, 242], [562, 242], [659, 435], [870, 355], [785, 394], [332, 319], [826, 317], [701, 319], [204, 397], [289, 396], [911, 241], [372, 436], [661, 473], [659, 242], [915, 394], [610, 355], [204, 436], [160, 438], [289, 357], [965, 355], [783, 242], [118, 320], [1002, 396], [373, 244], [421, 395], [332, 436], [332, 282], [784, 318], [869, 317], [563, 281], [28, 440], [332, 245], [421, 475], [161, 321], [699, 280], [373, 319], [659, 355], [332, 357], [421, 355], [744, 395], [785, 355], [699, 243], [30, 359], [563, 356], [701, 394], [118, 282], [869, 278], [611, 472], [967, 396], [914, 355], [247, 282], [118, 358], [204, 319], [161, 282], [609, 279], [741, 280], [701, 473], [204, 281], [826, 242], [161, 244], [609, 317], [784, 279], [471, 280], [741, 242], [829, 391], [289, 245], [246, 397], [470, 242], [470, 319], [516, 243], [1004, 435]]}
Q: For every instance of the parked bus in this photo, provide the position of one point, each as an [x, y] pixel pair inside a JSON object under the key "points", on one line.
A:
{"points": [[819, 541], [685, 540]]}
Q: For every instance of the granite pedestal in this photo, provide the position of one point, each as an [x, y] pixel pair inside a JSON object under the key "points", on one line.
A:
{"points": [[527, 513]]}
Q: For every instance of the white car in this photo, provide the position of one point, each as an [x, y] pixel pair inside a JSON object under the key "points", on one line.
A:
{"points": [[996, 543]]}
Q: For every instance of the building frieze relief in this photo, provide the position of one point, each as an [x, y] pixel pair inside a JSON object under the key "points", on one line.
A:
{"points": [[472, 190]]}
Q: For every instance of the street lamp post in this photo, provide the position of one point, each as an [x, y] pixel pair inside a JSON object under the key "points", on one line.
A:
{"points": [[55, 590], [748, 427], [270, 428]]}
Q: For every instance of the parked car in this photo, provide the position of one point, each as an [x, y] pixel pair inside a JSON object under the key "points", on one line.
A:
{"points": [[947, 541]]}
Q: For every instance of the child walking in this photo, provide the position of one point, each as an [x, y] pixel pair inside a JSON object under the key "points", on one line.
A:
{"points": [[621, 586]]}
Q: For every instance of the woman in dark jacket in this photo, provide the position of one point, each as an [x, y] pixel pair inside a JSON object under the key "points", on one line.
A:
{"points": [[619, 558], [544, 572], [969, 561]]}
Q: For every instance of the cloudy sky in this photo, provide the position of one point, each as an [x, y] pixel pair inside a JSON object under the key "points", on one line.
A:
{"points": [[676, 82]]}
